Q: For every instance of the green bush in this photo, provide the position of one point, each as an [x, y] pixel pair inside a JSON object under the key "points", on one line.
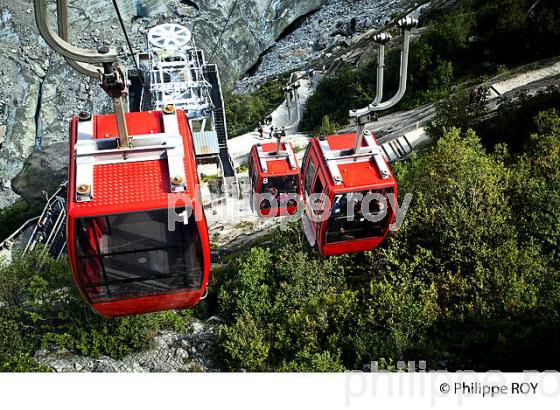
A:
{"points": [[15, 215], [245, 112], [327, 127], [512, 124], [335, 96], [471, 280], [514, 120], [463, 110], [41, 308]]}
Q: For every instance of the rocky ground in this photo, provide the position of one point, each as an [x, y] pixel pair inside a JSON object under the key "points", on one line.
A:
{"points": [[39, 92], [191, 351], [332, 28]]}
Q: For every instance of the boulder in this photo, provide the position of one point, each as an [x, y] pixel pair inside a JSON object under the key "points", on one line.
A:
{"points": [[44, 170]]}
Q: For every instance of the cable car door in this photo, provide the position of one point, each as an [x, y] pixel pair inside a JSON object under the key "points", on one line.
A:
{"points": [[314, 183]]}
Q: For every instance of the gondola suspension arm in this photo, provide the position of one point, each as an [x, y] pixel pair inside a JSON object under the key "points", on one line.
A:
{"points": [[84, 61]]}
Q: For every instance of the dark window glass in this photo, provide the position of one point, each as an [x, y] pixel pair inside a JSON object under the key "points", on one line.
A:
{"points": [[310, 173], [133, 255], [305, 156], [318, 187], [255, 176], [279, 187], [347, 221], [250, 172]]}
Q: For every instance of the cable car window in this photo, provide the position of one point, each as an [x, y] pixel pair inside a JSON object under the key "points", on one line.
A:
{"points": [[250, 171], [279, 187], [347, 221], [318, 189], [134, 255], [255, 177], [305, 156], [309, 174]]}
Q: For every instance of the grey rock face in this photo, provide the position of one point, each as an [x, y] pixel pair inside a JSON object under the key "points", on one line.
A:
{"points": [[44, 170], [191, 351], [39, 92], [332, 27]]}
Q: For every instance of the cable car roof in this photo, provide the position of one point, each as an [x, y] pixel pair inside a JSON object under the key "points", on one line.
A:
{"points": [[132, 186], [278, 165], [359, 172]]}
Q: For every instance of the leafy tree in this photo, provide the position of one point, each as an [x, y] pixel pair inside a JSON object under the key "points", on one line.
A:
{"points": [[465, 284], [464, 110], [327, 127], [513, 122], [245, 112], [41, 308]]}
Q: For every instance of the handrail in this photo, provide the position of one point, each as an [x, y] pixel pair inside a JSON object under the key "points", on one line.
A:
{"points": [[8, 241]]}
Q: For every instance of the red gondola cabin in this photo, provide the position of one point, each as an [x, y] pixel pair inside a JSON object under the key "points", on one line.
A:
{"points": [[275, 177], [134, 242], [344, 219]]}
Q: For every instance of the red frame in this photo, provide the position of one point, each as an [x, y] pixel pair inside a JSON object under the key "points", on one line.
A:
{"points": [[135, 187], [276, 168], [360, 176]]}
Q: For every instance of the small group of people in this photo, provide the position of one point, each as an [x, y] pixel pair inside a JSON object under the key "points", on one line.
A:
{"points": [[267, 130], [264, 126], [479, 95]]}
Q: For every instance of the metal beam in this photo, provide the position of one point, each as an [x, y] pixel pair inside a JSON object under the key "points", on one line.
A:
{"points": [[64, 48], [62, 20]]}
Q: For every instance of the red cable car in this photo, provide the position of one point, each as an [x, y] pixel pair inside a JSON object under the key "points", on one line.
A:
{"points": [[347, 189], [136, 231], [275, 179]]}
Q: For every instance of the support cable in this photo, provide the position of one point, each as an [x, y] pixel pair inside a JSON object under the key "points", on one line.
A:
{"points": [[223, 30], [130, 49]]}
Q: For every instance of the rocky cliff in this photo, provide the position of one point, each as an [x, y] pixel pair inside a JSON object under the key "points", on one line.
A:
{"points": [[39, 92], [258, 39]]}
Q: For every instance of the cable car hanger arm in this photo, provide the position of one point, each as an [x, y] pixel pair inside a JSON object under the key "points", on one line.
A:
{"points": [[406, 24], [62, 21], [112, 79], [61, 46]]}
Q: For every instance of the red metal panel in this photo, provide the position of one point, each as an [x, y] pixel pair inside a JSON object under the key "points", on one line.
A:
{"points": [[358, 176], [361, 174], [275, 168], [181, 300], [131, 187], [137, 123], [279, 166], [134, 186]]}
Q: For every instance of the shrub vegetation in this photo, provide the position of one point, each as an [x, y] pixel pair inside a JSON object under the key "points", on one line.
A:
{"points": [[245, 112], [471, 280], [40, 308]]}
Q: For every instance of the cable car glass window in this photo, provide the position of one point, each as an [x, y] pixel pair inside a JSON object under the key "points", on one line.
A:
{"points": [[305, 156], [309, 174], [279, 187], [133, 255], [347, 221]]}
